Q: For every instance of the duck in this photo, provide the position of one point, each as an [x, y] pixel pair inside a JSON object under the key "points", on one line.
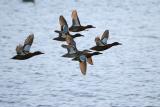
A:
{"points": [[23, 51], [76, 25], [64, 30], [82, 56], [101, 43]]}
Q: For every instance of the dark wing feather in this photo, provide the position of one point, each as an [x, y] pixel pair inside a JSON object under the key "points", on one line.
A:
{"points": [[105, 37], [28, 43], [62, 22], [75, 19]]}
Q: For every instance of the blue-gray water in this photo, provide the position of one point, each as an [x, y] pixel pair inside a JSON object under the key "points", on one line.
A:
{"points": [[123, 76]]}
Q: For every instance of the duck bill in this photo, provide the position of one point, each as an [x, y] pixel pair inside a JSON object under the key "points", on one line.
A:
{"points": [[83, 67], [90, 61]]}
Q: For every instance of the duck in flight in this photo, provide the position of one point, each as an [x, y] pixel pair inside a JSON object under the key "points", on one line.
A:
{"points": [[82, 56], [23, 51], [76, 25], [101, 43], [64, 30]]}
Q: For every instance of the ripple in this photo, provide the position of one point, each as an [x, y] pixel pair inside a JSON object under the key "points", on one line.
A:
{"points": [[44, 106], [8, 102]]}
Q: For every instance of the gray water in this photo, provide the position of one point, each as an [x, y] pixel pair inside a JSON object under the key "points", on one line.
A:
{"points": [[123, 76]]}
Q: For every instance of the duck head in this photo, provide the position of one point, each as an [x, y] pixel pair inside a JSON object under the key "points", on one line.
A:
{"points": [[78, 35], [116, 43], [38, 53], [90, 26]]}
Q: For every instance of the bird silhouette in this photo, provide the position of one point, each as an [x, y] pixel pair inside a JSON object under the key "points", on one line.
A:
{"points": [[76, 25], [101, 43], [23, 51]]}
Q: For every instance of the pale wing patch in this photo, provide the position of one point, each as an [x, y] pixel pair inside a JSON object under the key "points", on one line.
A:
{"points": [[75, 19], [99, 43], [65, 29], [105, 37], [72, 50], [104, 41], [19, 50], [26, 48], [28, 42], [82, 58]]}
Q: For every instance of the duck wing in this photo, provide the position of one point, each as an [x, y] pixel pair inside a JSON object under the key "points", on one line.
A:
{"points": [[83, 64], [19, 50], [65, 29], [70, 41], [105, 37], [28, 43], [62, 22], [90, 61], [70, 49], [75, 19], [83, 67]]}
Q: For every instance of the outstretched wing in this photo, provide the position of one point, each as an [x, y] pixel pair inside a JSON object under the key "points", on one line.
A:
{"points": [[70, 41], [65, 29], [62, 22], [105, 37], [28, 43], [19, 50], [90, 61], [75, 19], [83, 64], [98, 41], [70, 49]]}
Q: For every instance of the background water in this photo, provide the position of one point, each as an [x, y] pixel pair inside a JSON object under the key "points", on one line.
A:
{"points": [[123, 76]]}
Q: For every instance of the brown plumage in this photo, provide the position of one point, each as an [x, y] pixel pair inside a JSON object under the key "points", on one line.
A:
{"points": [[101, 44], [83, 67], [23, 51], [76, 25], [64, 30]]}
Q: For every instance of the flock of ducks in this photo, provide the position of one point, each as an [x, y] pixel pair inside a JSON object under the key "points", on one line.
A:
{"points": [[84, 56]]}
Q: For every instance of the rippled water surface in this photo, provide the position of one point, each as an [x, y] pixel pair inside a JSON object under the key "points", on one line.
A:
{"points": [[123, 76]]}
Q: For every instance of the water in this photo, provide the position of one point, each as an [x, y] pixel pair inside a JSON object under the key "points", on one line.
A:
{"points": [[123, 76]]}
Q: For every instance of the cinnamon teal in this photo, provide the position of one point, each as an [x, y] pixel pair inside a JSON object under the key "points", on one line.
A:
{"points": [[76, 25], [101, 43], [82, 56], [64, 30], [23, 51]]}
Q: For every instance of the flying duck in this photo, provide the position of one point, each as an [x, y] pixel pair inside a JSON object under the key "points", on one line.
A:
{"points": [[82, 56], [76, 25], [101, 43], [23, 51], [64, 30]]}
